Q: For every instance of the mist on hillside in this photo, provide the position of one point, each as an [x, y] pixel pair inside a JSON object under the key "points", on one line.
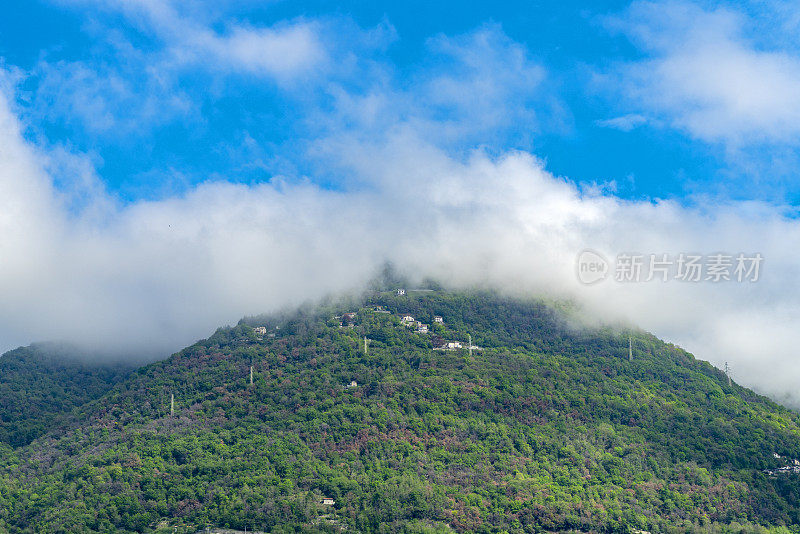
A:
{"points": [[148, 277]]}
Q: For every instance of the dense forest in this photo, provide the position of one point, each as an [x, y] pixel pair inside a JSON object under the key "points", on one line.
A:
{"points": [[547, 426], [41, 384]]}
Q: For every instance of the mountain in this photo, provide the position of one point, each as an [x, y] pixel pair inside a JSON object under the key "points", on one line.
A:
{"points": [[42, 383], [546, 426]]}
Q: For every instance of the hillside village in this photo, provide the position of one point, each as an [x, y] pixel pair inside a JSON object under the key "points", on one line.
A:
{"points": [[437, 332], [348, 320], [792, 467], [325, 412]]}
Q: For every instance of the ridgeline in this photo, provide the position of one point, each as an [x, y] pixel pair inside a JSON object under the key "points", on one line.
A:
{"points": [[544, 427]]}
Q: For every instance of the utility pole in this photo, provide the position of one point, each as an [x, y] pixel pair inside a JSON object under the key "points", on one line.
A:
{"points": [[172, 404], [630, 349], [251, 375], [365, 345], [469, 336], [728, 373]]}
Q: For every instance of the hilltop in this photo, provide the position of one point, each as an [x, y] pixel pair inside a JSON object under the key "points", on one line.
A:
{"points": [[43, 383], [546, 427]]}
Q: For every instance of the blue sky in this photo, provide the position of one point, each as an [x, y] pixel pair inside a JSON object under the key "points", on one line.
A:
{"points": [[167, 167], [101, 81]]}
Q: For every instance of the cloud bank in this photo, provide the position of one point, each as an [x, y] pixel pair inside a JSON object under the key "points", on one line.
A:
{"points": [[709, 77], [151, 276], [155, 275]]}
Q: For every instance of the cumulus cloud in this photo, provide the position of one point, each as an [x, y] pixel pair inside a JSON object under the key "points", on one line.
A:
{"points": [[151, 276], [155, 275], [705, 73], [478, 88], [280, 52], [133, 79]]}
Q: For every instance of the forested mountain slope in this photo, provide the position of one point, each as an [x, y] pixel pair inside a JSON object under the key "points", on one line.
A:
{"points": [[548, 427], [43, 382]]}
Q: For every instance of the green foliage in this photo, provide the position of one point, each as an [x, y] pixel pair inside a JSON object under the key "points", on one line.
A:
{"points": [[42, 383], [548, 428]]}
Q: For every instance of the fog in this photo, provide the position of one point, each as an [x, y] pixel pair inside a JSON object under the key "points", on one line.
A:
{"points": [[149, 277], [412, 185]]}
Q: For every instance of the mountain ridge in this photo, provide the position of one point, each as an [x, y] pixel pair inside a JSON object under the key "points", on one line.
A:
{"points": [[548, 428], [42, 383]]}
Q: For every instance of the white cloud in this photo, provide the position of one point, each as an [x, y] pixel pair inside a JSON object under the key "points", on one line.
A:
{"points": [[106, 99], [705, 74], [472, 89], [281, 52], [155, 275], [483, 79], [624, 123], [134, 79]]}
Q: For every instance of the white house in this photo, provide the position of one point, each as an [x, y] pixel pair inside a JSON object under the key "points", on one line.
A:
{"points": [[401, 292], [260, 330], [328, 501], [352, 384], [438, 319], [422, 328], [407, 320], [453, 345]]}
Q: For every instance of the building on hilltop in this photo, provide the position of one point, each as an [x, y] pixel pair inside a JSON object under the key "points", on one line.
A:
{"points": [[349, 319], [438, 319], [260, 330], [443, 344]]}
